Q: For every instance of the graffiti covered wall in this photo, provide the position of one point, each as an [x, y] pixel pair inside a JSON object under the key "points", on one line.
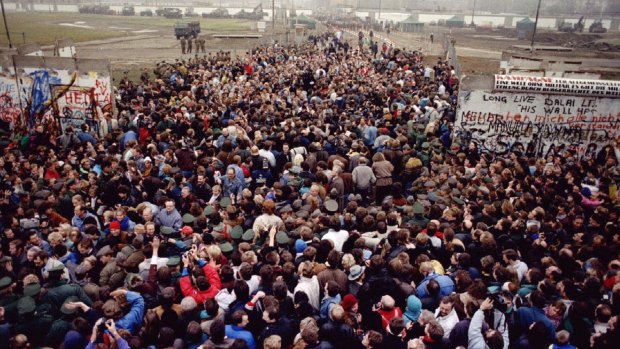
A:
{"points": [[64, 91], [12, 98], [499, 121]]}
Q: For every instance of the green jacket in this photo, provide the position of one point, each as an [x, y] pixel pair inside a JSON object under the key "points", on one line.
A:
{"points": [[35, 328], [420, 221], [10, 307], [57, 332], [62, 290]]}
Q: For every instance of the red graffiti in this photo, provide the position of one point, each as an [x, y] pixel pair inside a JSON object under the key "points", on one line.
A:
{"points": [[103, 94], [8, 111], [77, 98]]}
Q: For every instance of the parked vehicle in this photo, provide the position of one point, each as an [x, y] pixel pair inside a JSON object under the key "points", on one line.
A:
{"points": [[597, 27], [182, 29], [172, 13], [128, 11]]}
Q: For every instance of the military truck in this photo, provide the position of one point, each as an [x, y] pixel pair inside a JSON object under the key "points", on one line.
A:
{"points": [[147, 13], [217, 13], [172, 13], [189, 12], [183, 29], [256, 14], [597, 27], [566, 27], [96, 9], [128, 11]]}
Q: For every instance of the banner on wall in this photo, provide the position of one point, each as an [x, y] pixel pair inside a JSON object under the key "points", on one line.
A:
{"points": [[551, 85], [499, 121]]}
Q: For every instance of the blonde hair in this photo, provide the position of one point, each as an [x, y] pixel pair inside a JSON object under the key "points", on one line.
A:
{"points": [[249, 257], [64, 229], [348, 261], [306, 269], [92, 260], [214, 252], [55, 237], [298, 159], [427, 267], [272, 342], [139, 229]]}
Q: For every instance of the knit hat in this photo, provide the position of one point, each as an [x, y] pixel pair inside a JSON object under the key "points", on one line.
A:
{"points": [[348, 302], [413, 310], [187, 230], [300, 246], [115, 225]]}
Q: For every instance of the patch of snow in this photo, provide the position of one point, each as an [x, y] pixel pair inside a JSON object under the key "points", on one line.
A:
{"points": [[76, 25]]}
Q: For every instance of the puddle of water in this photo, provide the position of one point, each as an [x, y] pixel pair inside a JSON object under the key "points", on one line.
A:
{"points": [[75, 25], [145, 31]]}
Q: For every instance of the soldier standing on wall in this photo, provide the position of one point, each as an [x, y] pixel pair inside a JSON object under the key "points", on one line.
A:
{"points": [[189, 44], [183, 42]]}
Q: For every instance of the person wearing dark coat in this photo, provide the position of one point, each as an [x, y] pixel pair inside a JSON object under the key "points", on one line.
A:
{"points": [[431, 301], [393, 339], [377, 284], [338, 333], [275, 325], [59, 290], [34, 326]]}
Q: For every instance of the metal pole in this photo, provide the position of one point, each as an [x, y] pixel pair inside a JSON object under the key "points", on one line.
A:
{"points": [[273, 15], [535, 24], [6, 25], [473, 13]]}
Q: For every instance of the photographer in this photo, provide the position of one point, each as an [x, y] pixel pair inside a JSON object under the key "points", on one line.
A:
{"points": [[502, 316], [99, 329], [207, 285], [490, 339]]}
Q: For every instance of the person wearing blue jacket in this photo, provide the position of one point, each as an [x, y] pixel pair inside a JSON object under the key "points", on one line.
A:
{"points": [[133, 319], [528, 315], [445, 282], [237, 329]]}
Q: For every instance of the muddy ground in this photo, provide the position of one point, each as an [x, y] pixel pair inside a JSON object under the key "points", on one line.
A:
{"points": [[141, 42]]}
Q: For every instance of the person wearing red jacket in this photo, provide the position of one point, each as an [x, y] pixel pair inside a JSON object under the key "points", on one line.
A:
{"points": [[206, 286]]}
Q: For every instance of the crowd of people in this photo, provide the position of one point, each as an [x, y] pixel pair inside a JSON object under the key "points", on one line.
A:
{"points": [[306, 197]]}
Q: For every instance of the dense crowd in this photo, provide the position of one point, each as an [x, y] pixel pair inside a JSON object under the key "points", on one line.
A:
{"points": [[308, 196]]}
